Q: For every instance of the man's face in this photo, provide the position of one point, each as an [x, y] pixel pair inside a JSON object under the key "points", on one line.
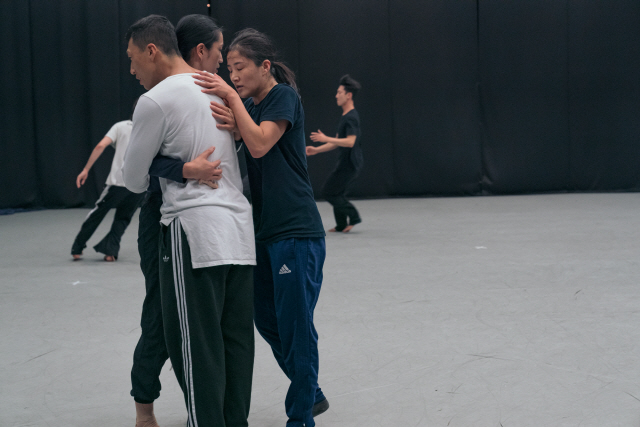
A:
{"points": [[342, 96], [142, 65]]}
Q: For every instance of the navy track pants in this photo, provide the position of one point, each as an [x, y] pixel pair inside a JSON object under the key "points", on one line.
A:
{"points": [[287, 283]]}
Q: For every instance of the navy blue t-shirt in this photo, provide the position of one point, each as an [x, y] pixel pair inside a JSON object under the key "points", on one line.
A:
{"points": [[281, 193]]}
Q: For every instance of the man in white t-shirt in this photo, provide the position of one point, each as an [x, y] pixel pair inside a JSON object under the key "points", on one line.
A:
{"points": [[115, 195], [207, 249]]}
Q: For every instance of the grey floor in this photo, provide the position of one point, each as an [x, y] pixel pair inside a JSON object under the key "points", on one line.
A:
{"points": [[492, 311]]}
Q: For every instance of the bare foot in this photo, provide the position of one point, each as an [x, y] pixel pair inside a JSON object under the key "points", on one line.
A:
{"points": [[347, 228], [144, 415], [147, 423], [109, 258], [77, 257]]}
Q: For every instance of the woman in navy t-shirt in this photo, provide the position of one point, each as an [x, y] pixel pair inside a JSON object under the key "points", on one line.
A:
{"points": [[290, 247]]}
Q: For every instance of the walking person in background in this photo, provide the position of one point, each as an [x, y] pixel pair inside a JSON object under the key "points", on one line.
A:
{"points": [[290, 245], [347, 141], [115, 195]]}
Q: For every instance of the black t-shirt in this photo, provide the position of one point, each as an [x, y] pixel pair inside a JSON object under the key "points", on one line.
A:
{"points": [[350, 157], [281, 193]]}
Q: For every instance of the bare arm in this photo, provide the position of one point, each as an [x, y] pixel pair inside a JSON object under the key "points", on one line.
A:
{"points": [[95, 154], [320, 149], [259, 139], [348, 142]]}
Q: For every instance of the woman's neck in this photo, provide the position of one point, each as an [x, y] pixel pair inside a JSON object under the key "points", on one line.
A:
{"points": [[264, 91]]}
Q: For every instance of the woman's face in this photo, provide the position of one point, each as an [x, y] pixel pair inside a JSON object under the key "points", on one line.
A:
{"points": [[212, 58], [246, 76]]}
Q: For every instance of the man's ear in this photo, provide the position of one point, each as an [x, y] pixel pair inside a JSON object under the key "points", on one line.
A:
{"points": [[151, 51]]}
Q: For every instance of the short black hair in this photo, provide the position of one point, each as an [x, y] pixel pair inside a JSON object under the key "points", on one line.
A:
{"points": [[350, 85], [154, 29]]}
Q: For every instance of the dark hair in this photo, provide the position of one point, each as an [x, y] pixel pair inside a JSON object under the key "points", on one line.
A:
{"points": [[258, 47], [154, 29], [195, 29], [350, 85]]}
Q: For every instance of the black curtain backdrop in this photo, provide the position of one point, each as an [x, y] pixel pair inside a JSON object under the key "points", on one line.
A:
{"points": [[65, 82], [524, 89], [459, 98]]}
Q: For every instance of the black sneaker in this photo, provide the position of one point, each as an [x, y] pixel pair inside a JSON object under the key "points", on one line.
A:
{"points": [[320, 408]]}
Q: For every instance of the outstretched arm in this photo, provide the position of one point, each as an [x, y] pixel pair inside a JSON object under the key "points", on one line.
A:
{"points": [[97, 152], [326, 146], [320, 149], [348, 142]]}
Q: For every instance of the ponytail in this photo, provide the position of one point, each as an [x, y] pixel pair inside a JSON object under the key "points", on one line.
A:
{"points": [[283, 74], [258, 47], [195, 29]]}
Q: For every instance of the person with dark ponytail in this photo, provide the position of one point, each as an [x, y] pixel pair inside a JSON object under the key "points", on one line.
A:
{"points": [[199, 42], [290, 245]]}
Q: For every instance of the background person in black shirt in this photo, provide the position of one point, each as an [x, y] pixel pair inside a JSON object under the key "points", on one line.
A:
{"points": [[350, 162]]}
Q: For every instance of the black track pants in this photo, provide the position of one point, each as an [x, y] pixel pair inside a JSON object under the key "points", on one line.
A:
{"points": [[334, 191], [125, 202], [151, 351], [208, 323]]}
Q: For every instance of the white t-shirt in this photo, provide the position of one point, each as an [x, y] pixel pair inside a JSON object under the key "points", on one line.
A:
{"points": [[174, 119], [119, 135]]}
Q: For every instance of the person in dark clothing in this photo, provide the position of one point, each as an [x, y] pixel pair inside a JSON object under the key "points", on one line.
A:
{"points": [[290, 244], [150, 353], [200, 43], [347, 141]]}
